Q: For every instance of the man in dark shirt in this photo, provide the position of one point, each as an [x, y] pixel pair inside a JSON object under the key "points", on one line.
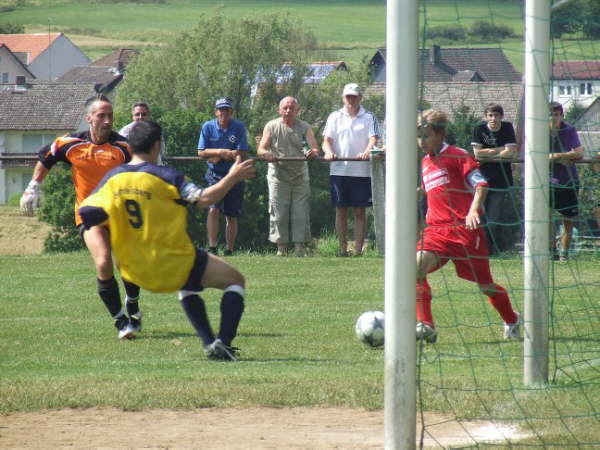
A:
{"points": [[565, 148], [494, 140]]}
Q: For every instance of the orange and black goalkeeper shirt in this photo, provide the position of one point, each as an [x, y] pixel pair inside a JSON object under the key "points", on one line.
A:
{"points": [[89, 162]]}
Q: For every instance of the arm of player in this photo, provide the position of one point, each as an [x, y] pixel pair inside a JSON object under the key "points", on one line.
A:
{"points": [[473, 220], [30, 199], [241, 170]]}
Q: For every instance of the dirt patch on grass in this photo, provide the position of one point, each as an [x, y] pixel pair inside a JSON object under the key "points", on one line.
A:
{"points": [[232, 428], [19, 234]]}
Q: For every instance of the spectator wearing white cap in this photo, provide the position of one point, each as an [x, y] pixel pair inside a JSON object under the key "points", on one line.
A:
{"points": [[350, 132], [221, 140]]}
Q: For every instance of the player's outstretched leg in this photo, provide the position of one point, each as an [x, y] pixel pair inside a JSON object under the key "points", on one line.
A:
{"points": [[97, 241], [108, 290], [195, 310], [220, 275], [498, 298], [426, 262]]}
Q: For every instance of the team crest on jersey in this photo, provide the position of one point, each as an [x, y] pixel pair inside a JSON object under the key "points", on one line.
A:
{"points": [[232, 139], [435, 178]]}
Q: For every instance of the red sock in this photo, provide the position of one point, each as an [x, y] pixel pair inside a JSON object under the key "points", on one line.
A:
{"points": [[500, 301], [424, 302]]}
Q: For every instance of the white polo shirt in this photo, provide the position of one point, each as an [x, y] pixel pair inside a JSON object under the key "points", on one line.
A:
{"points": [[350, 137]]}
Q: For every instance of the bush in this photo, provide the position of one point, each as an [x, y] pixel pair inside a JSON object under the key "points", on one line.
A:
{"points": [[14, 200], [488, 31], [454, 32], [11, 28], [57, 209]]}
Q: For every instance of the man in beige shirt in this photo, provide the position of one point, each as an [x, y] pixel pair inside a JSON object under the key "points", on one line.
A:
{"points": [[289, 183]]}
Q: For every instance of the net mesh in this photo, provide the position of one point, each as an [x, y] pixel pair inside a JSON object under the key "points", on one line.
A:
{"points": [[470, 383]]}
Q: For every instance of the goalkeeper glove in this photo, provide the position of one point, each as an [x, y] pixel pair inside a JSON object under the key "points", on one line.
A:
{"points": [[30, 199]]}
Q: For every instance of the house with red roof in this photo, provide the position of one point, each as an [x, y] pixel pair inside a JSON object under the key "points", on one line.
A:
{"points": [[575, 82], [12, 67], [46, 55]]}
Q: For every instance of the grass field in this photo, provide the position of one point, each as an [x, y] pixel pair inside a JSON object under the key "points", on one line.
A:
{"points": [[58, 348]]}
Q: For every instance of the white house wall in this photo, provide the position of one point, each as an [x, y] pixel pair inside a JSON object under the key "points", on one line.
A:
{"points": [[8, 65], [13, 180], [567, 100], [61, 56]]}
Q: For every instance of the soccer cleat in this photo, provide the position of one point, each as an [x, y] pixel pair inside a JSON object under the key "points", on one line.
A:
{"points": [[218, 351], [426, 332], [135, 322], [122, 324], [513, 330]]}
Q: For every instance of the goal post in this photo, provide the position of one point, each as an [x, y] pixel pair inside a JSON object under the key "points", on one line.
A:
{"points": [[400, 224], [537, 239]]}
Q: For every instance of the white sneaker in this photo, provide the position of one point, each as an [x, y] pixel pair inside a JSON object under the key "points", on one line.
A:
{"points": [[513, 330], [124, 327], [135, 322], [426, 332]]}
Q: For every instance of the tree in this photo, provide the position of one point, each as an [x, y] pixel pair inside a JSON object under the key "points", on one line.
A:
{"points": [[460, 131], [574, 112], [242, 59], [567, 19], [591, 20]]}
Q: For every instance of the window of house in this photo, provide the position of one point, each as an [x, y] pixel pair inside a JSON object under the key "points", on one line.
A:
{"points": [[585, 89], [32, 143], [4, 77], [561, 90]]}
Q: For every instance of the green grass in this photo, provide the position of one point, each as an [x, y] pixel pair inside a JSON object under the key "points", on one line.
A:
{"points": [[349, 29], [58, 348]]}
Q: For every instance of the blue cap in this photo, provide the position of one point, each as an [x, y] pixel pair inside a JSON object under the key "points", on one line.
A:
{"points": [[224, 102]]}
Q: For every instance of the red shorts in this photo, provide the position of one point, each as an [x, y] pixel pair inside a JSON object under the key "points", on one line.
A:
{"points": [[466, 248]]}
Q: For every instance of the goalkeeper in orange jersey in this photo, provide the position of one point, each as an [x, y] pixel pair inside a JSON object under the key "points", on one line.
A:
{"points": [[91, 154]]}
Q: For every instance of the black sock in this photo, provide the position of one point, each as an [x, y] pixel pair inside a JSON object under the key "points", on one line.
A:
{"points": [[195, 310], [108, 290], [232, 307], [133, 293], [132, 290]]}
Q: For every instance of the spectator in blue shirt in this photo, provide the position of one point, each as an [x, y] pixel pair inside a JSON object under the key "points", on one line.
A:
{"points": [[221, 140]]}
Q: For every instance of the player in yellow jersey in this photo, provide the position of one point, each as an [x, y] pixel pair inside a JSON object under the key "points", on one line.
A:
{"points": [[91, 154], [145, 208]]}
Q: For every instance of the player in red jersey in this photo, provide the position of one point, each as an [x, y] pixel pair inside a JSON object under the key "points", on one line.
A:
{"points": [[455, 191]]}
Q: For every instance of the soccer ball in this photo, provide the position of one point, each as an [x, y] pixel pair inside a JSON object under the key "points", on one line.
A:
{"points": [[370, 329]]}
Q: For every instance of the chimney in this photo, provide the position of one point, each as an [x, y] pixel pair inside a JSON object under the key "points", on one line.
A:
{"points": [[436, 55]]}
